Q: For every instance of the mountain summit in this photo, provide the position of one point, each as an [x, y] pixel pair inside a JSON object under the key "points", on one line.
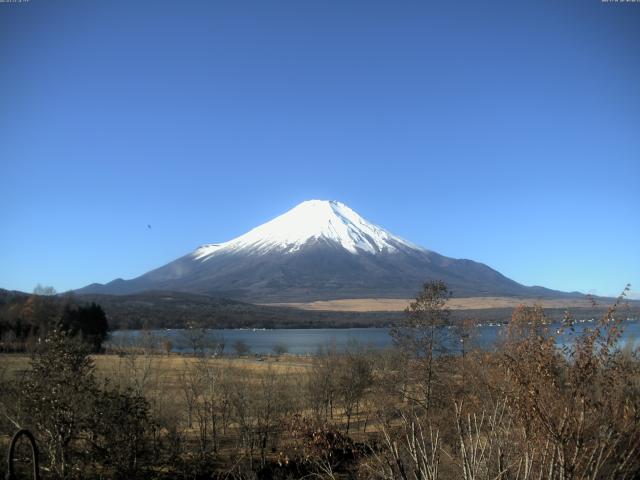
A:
{"points": [[311, 221], [318, 250]]}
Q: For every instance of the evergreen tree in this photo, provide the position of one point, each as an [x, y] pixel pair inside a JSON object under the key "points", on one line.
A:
{"points": [[88, 321]]}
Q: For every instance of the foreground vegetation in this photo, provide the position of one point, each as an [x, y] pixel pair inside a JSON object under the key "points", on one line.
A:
{"points": [[526, 411]]}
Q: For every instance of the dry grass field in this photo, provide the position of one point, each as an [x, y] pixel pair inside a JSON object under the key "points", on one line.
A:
{"points": [[168, 367], [399, 304]]}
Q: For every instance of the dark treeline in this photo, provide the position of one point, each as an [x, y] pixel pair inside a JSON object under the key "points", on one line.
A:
{"points": [[526, 411], [24, 319]]}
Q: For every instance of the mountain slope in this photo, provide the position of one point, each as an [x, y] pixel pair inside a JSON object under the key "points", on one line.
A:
{"points": [[318, 250]]}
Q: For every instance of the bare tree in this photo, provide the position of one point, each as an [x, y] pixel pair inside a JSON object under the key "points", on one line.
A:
{"points": [[44, 290], [280, 349], [411, 451], [322, 382], [355, 376], [418, 334], [195, 337], [241, 348]]}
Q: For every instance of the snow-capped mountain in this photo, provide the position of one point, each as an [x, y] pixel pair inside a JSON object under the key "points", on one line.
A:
{"points": [[311, 221], [318, 250]]}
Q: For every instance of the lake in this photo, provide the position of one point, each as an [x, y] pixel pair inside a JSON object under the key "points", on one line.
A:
{"points": [[300, 341]]}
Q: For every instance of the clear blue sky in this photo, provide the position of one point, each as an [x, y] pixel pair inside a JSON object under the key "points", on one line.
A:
{"points": [[506, 132]]}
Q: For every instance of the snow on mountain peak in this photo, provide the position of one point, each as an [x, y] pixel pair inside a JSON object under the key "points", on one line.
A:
{"points": [[308, 221]]}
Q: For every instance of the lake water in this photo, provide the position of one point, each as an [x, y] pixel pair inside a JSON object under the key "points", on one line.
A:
{"points": [[308, 341]]}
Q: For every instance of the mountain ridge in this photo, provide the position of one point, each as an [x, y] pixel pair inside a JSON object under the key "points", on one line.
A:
{"points": [[319, 250]]}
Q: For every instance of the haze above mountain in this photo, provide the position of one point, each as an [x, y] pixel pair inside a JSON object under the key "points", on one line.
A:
{"points": [[319, 250]]}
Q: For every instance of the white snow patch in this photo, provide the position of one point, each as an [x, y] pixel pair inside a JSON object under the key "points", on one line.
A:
{"points": [[311, 220]]}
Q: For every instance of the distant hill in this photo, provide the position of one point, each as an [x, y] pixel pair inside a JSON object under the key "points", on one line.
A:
{"points": [[319, 250]]}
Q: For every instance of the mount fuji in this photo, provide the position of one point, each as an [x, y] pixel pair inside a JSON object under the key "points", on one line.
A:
{"points": [[319, 250]]}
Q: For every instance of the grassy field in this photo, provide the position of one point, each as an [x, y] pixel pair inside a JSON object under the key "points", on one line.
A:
{"points": [[168, 366], [399, 304]]}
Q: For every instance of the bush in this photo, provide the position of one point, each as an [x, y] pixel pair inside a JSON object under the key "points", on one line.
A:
{"points": [[73, 419], [58, 393]]}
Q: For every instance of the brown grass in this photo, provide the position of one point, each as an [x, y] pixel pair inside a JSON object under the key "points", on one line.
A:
{"points": [[399, 304], [169, 368]]}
